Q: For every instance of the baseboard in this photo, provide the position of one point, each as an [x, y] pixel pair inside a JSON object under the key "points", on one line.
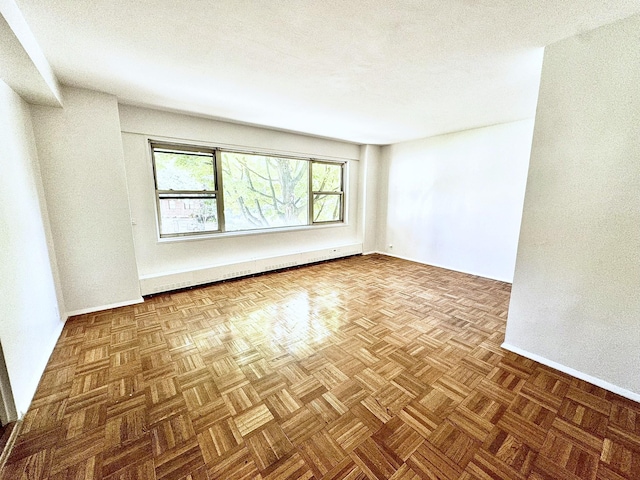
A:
{"points": [[167, 281], [574, 373], [104, 307]]}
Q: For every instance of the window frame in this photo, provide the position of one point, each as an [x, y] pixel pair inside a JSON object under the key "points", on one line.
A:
{"points": [[218, 193], [313, 193], [161, 194]]}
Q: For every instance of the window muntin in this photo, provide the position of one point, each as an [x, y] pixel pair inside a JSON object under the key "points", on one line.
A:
{"points": [[208, 190]]}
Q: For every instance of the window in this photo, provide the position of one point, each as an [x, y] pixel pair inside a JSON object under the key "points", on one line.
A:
{"points": [[264, 192], [186, 190], [327, 192], [211, 190]]}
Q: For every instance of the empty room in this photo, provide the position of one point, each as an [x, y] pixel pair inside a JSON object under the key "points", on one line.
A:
{"points": [[319, 240]]}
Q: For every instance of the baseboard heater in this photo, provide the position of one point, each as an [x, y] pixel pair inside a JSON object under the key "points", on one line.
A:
{"points": [[165, 282]]}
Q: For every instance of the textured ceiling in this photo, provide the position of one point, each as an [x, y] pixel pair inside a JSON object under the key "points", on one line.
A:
{"points": [[376, 71]]}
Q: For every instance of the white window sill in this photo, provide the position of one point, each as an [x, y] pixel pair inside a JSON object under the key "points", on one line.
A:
{"points": [[244, 233]]}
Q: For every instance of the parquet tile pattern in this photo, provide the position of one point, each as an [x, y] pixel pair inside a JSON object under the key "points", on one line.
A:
{"points": [[362, 368]]}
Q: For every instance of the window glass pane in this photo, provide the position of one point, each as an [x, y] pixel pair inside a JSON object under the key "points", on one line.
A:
{"points": [[187, 215], [184, 171], [327, 208], [263, 192], [326, 177]]}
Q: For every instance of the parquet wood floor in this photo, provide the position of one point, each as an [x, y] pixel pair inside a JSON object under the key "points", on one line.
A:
{"points": [[362, 368]]}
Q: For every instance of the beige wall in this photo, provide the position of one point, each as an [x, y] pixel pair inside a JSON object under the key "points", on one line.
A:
{"points": [[576, 291]]}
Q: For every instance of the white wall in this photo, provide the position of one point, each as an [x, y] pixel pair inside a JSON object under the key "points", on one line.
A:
{"points": [[23, 66], [160, 258], [576, 292], [455, 201], [80, 152], [31, 318], [370, 159]]}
